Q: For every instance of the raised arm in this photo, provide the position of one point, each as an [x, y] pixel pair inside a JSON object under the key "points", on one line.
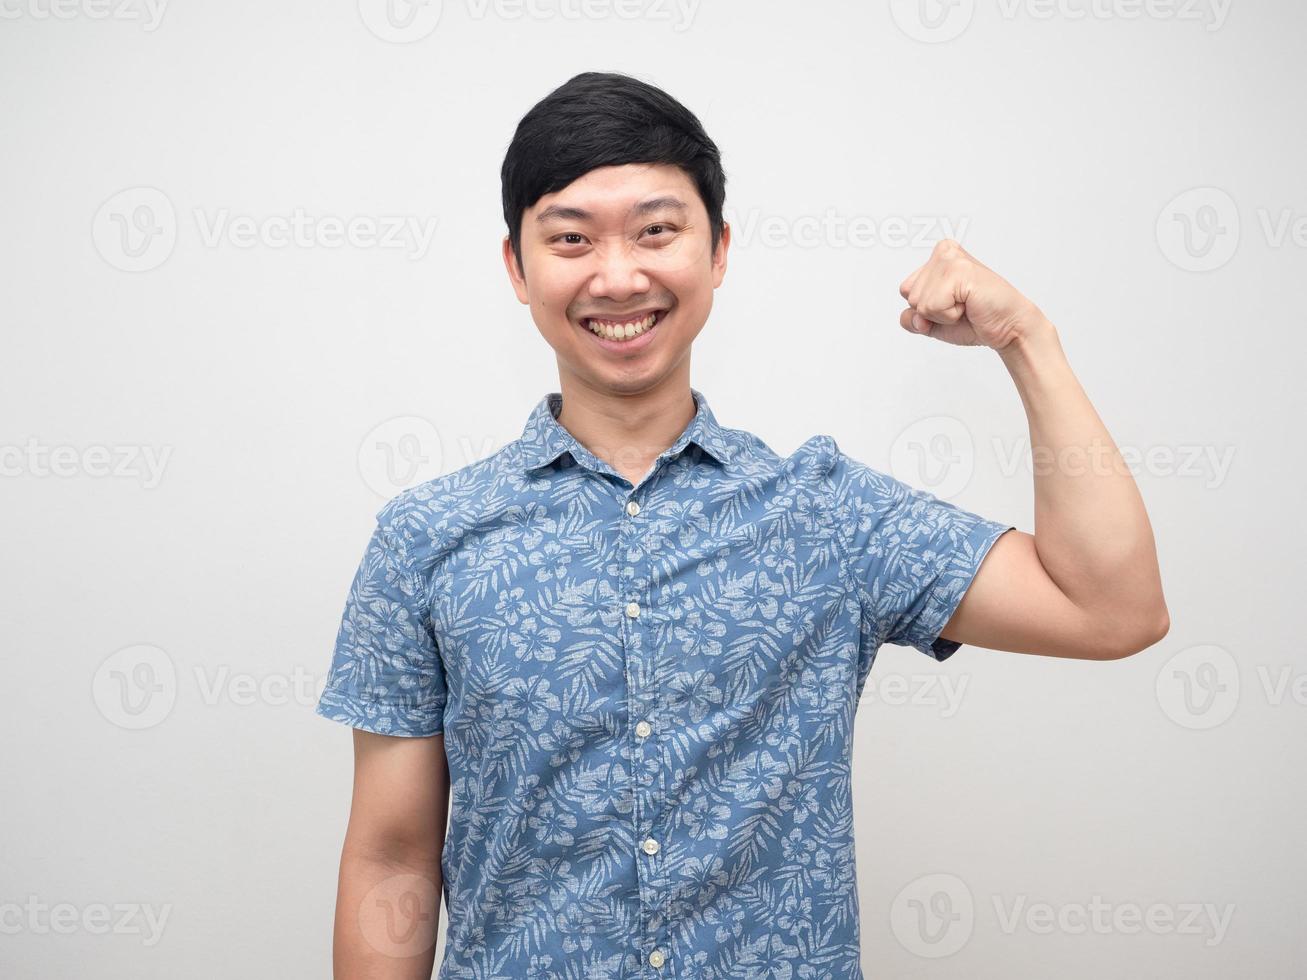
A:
{"points": [[1086, 584], [389, 891]]}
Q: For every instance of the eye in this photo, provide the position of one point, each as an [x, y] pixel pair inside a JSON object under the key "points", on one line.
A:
{"points": [[568, 235], [668, 230]]}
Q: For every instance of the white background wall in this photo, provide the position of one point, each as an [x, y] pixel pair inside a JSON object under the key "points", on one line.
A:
{"points": [[1068, 145]]}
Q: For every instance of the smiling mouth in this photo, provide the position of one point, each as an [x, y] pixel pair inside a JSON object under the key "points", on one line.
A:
{"points": [[624, 329]]}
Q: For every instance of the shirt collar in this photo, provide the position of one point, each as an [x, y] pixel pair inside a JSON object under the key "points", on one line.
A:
{"points": [[543, 440]]}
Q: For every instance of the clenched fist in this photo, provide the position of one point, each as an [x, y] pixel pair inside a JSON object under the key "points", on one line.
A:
{"points": [[956, 299]]}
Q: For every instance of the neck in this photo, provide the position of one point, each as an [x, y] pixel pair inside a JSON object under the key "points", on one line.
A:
{"points": [[627, 430]]}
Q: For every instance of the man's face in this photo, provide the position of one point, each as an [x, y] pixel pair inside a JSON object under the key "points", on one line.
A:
{"points": [[629, 246]]}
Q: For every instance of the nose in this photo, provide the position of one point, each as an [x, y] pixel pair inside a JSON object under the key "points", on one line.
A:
{"points": [[618, 274]]}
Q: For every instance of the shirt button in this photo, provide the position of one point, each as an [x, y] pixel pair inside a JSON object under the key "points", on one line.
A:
{"points": [[650, 846], [656, 958], [642, 729], [632, 508], [633, 609]]}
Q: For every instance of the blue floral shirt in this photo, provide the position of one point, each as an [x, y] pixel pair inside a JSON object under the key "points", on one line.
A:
{"points": [[647, 692]]}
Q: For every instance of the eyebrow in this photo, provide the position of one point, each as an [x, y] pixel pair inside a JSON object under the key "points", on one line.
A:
{"points": [[557, 212]]}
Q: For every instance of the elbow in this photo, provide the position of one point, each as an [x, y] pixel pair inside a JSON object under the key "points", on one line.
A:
{"points": [[1146, 630]]}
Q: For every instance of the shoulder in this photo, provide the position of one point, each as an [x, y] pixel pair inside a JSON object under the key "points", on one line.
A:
{"points": [[849, 477], [820, 460], [752, 456], [429, 518], [854, 490]]}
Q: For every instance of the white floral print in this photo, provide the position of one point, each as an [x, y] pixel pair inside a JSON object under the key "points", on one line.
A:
{"points": [[647, 716]]}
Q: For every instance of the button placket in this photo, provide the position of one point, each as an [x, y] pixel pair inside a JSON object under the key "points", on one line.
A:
{"points": [[652, 940]]}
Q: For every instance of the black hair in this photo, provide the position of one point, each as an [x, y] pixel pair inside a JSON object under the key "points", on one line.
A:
{"points": [[605, 119]]}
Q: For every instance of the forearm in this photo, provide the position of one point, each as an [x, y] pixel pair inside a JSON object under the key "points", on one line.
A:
{"points": [[387, 915], [1092, 532]]}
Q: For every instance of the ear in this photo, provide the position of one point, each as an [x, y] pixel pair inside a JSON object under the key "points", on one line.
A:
{"points": [[515, 275], [719, 255]]}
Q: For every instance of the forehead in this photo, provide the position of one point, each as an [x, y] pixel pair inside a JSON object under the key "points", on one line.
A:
{"points": [[614, 192]]}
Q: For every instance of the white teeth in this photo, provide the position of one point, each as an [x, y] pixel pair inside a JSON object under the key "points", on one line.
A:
{"points": [[622, 331]]}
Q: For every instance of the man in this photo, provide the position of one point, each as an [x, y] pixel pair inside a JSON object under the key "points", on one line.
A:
{"points": [[633, 640]]}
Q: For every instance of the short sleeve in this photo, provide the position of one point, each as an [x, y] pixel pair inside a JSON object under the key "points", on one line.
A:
{"points": [[912, 555], [386, 673]]}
